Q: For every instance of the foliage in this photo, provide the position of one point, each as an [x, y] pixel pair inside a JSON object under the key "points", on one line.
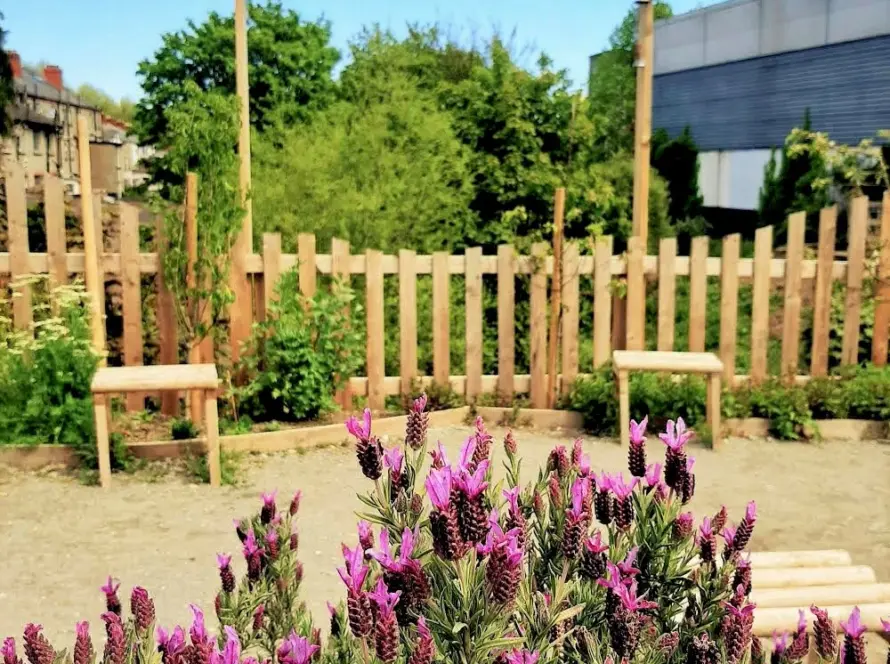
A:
{"points": [[202, 133], [7, 91], [289, 68], [854, 392], [183, 428], [301, 354], [229, 467], [46, 370], [798, 184], [785, 406], [121, 110], [676, 160]]}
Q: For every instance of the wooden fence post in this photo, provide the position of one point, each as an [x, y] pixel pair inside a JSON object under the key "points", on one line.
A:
{"points": [[340, 272], [506, 322], [441, 320], [570, 314], [56, 239], [306, 258], [195, 397], [729, 304], [131, 285], [824, 280], [882, 289], [636, 295], [271, 267], [407, 319], [698, 293], [17, 230], [168, 332], [538, 326], [763, 254], [667, 289], [473, 280], [559, 204], [602, 301], [375, 351], [858, 222], [793, 281]]}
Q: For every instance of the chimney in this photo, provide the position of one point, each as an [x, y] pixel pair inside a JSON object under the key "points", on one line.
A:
{"points": [[15, 62], [53, 76]]}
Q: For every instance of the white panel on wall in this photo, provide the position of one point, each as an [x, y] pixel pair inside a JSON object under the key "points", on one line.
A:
{"points": [[724, 182], [857, 19], [732, 33], [708, 176], [679, 44], [745, 178]]}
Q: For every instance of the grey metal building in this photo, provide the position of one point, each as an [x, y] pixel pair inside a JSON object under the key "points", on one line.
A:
{"points": [[742, 73]]}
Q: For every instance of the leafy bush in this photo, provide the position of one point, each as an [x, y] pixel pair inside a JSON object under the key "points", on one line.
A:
{"points": [[45, 373], [301, 354], [183, 429], [229, 466]]}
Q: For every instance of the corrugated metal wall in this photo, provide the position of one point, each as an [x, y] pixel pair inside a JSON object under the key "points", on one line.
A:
{"points": [[755, 103]]}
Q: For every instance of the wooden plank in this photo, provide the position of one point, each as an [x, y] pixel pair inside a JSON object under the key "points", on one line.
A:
{"points": [[506, 322], [271, 266], [785, 559], [636, 296], [602, 301], [882, 289], [667, 286], [674, 362], [195, 397], [441, 319], [375, 352], [340, 274], [131, 286], [102, 417], [698, 293], [17, 220], [619, 315], [407, 319], [94, 280], [559, 205], [763, 250], [56, 240], [474, 321], [797, 223], [822, 295], [306, 258], [570, 314], [211, 419], [858, 222], [154, 378], [538, 330], [729, 303], [168, 332]]}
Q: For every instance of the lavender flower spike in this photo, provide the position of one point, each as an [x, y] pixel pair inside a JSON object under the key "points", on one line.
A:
{"points": [[676, 435], [361, 431], [232, 650], [355, 572], [296, 650], [438, 487], [522, 657], [8, 651], [853, 626]]}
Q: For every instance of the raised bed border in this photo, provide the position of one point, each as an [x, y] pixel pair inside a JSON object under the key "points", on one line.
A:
{"points": [[31, 458]]}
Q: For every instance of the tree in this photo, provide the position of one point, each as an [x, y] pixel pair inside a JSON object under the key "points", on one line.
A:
{"points": [[7, 90], [120, 110], [612, 85], [677, 162], [290, 65]]}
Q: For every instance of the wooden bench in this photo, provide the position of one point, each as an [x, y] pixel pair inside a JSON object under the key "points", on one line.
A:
{"points": [[708, 364], [784, 581], [179, 377]]}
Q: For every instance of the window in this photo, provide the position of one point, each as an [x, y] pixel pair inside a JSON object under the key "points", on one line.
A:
{"points": [[37, 141]]}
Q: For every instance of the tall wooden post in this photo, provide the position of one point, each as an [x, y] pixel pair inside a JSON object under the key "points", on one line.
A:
{"points": [[559, 208], [643, 122], [90, 248], [241, 312], [196, 397]]}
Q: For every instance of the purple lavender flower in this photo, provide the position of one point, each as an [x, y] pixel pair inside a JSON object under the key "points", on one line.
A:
{"points": [[707, 544], [83, 646], [510, 445], [800, 643], [483, 442], [438, 487], [386, 631], [171, 645], [112, 601], [393, 459], [745, 528], [781, 641], [198, 632], [593, 558], [854, 644], [296, 650], [623, 511], [418, 423], [268, 510], [365, 536], [736, 628], [424, 649], [522, 657], [115, 641], [295, 502], [471, 513], [653, 475], [253, 556], [675, 438], [225, 572], [558, 461], [636, 454], [682, 527], [355, 572], [143, 609], [515, 517], [604, 502], [576, 520], [360, 431], [8, 651], [271, 540], [465, 457], [627, 593], [687, 486], [438, 456], [626, 566]]}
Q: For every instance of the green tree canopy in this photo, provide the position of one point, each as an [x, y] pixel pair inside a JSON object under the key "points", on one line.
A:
{"points": [[121, 110], [290, 65], [677, 162]]}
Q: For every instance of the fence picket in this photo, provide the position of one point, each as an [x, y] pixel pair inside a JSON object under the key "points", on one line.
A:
{"points": [[763, 254], [168, 333], [882, 289], [17, 237], [570, 314], [636, 295], [441, 319], [341, 274], [131, 286], [407, 319], [602, 301], [793, 282], [858, 222], [698, 293], [306, 267], [538, 327], [56, 240], [506, 322], [474, 321], [667, 288], [729, 303], [822, 297], [375, 346], [271, 266]]}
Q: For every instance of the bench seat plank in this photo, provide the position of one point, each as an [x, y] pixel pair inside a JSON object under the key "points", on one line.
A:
{"points": [[155, 378], [646, 360]]}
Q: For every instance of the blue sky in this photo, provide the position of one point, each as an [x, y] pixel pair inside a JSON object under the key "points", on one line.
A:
{"points": [[101, 41]]}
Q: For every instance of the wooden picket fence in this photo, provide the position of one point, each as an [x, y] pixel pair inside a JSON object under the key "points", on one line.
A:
{"points": [[598, 260]]}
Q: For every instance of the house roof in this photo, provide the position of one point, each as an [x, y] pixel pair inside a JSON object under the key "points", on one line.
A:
{"points": [[35, 86]]}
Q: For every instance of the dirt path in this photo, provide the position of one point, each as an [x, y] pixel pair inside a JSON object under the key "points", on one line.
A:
{"points": [[59, 540]]}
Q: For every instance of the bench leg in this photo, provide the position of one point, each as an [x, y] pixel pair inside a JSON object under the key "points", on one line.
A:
{"points": [[623, 408], [211, 422], [100, 411], [714, 409]]}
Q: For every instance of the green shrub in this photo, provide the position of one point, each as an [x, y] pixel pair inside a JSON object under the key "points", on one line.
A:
{"points": [[229, 465], [301, 354], [45, 373], [183, 429], [827, 399]]}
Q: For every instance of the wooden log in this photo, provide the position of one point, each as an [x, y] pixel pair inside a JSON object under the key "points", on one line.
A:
{"points": [[763, 251], [570, 315], [860, 593], [767, 621], [473, 301], [729, 303], [822, 294], [795, 577], [538, 329], [698, 293], [407, 319], [441, 319], [858, 222], [791, 316], [667, 286], [602, 301], [783, 559], [506, 322]]}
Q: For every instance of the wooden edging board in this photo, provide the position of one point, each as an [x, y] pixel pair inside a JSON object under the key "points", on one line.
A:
{"points": [[839, 430]]}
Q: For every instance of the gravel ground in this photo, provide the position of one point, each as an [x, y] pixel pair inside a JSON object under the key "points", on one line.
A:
{"points": [[59, 539]]}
